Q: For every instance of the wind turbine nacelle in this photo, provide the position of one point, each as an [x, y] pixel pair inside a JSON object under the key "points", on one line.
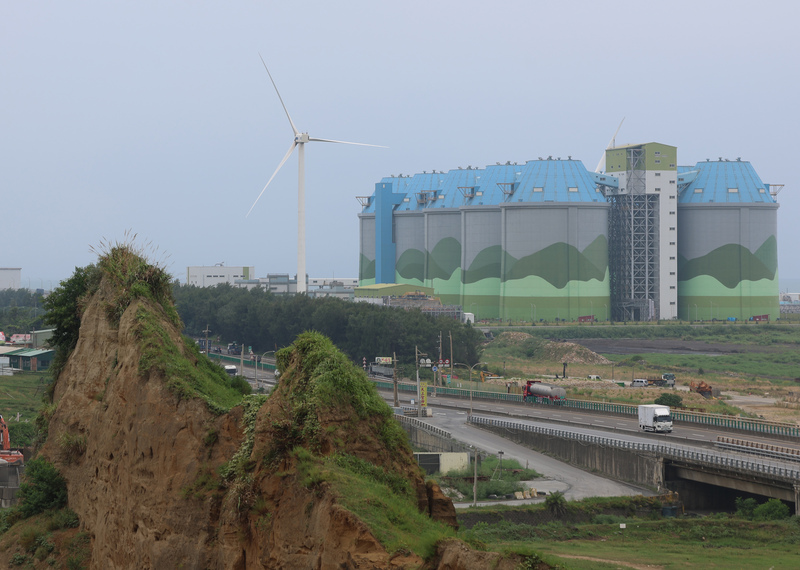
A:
{"points": [[301, 138]]}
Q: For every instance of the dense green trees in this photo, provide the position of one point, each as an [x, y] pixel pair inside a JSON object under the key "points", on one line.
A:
{"points": [[671, 400], [21, 311], [264, 321]]}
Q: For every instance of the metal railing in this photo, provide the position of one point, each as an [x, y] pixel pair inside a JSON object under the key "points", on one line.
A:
{"points": [[757, 448], [709, 458], [756, 425]]}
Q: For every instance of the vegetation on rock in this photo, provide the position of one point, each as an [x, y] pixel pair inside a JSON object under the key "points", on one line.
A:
{"points": [[42, 489]]}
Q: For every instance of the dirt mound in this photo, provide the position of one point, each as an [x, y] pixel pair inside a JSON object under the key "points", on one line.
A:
{"points": [[533, 347], [563, 351], [162, 476]]}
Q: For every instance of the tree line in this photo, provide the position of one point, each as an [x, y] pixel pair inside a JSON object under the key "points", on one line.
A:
{"points": [[267, 322], [21, 311]]}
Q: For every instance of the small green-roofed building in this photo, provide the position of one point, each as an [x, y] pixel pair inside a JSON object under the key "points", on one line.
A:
{"points": [[30, 359]]}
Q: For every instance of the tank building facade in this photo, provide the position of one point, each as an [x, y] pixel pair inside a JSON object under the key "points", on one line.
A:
{"points": [[727, 242], [508, 241], [549, 240]]}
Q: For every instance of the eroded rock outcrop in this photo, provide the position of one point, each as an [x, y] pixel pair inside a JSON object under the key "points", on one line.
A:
{"points": [[162, 476]]}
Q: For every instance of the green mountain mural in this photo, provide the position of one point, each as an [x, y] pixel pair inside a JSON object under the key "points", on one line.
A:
{"points": [[731, 264], [444, 259], [485, 265], [411, 265], [561, 263], [366, 267]]}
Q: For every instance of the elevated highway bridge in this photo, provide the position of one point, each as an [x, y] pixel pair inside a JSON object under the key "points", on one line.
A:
{"points": [[759, 459]]}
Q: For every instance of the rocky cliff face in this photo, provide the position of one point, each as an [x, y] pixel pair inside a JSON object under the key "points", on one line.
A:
{"points": [[127, 447], [162, 479]]}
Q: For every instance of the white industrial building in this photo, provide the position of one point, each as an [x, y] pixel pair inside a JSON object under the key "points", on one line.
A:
{"points": [[277, 283], [211, 276], [10, 277]]}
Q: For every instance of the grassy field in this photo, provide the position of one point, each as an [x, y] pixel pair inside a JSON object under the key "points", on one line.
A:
{"points": [[745, 333], [22, 393], [667, 543], [771, 374], [718, 541]]}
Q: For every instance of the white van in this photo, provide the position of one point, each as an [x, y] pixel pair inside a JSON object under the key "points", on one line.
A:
{"points": [[639, 383], [594, 377]]}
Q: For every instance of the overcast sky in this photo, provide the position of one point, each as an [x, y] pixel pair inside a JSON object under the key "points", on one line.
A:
{"points": [[158, 118]]}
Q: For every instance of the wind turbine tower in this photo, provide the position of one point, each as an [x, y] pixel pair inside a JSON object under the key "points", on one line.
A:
{"points": [[300, 140]]}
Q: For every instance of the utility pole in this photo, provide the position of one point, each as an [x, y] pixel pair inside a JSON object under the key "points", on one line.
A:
{"points": [[440, 361], [208, 330], [475, 481], [417, 354], [394, 377], [452, 360]]}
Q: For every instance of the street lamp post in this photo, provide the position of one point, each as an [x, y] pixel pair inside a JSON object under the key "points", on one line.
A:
{"points": [[263, 357], [606, 306], [533, 313], [426, 362], [475, 479], [695, 312], [208, 330]]}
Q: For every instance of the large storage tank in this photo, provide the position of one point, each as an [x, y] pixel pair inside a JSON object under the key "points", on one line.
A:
{"points": [[727, 243], [512, 242]]}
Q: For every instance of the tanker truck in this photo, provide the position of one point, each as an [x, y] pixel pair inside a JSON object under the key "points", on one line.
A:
{"points": [[535, 389]]}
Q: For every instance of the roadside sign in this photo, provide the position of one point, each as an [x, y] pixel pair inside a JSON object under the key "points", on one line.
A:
{"points": [[434, 368]]}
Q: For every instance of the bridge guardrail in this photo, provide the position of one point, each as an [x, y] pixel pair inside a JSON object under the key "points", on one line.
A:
{"points": [[229, 359], [713, 459], [756, 425], [423, 426]]}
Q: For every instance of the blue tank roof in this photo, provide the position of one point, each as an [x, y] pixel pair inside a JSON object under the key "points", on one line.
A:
{"points": [[535, 181], [722, 181]]}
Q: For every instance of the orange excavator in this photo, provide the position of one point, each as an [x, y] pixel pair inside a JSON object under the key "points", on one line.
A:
{"points": [[6, 453], [701, 388]]}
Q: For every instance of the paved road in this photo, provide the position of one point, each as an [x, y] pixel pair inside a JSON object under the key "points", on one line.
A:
{"points": [[575, 483], [683, 433]]}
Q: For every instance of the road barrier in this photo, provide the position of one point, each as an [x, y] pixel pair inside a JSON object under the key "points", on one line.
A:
{"points": [[757, 448], [679, 452], [756, 425]]}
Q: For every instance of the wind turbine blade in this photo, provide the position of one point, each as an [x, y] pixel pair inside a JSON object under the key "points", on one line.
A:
{"points": [[347, 142], [296, 132], [285, 158], [611, 144], [614, 138]]}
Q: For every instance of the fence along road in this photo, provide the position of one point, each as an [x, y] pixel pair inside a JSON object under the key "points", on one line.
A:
{"points": [[754, 426]]}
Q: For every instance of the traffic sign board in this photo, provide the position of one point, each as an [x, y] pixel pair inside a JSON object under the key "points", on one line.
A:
{"points": [[434, 369]]}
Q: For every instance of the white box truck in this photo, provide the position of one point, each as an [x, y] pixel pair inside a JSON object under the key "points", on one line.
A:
{"points": [[653, 417]]}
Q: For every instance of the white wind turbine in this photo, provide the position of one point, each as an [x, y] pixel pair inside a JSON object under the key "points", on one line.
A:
{"points": [[300, 140], [601, 166]]}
